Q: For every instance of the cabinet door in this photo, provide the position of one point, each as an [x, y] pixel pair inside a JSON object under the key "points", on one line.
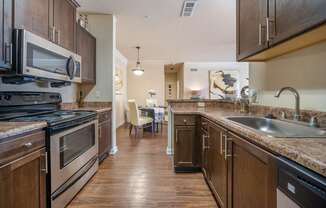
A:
{"points": [[290, 18], [103, 145], [5, 34], [218, 163], [33, 15], [86, 48], [253, 176], [251, 27], [183, 146], [22, 182], [64, 19]]}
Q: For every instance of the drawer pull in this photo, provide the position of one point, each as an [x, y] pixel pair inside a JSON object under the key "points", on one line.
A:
{"points": [[28, 145], [184, 121]]}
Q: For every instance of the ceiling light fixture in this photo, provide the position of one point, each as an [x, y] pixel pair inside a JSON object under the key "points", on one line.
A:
{"points": [[138, 71]]}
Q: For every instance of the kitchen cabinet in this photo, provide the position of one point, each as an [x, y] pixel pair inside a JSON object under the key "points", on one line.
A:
{"points": [[270, 28], [183, 146], [217, 163], [104, 135], [23, 175], [294, 17], [251, 27], [5, 34], [33, 15], [253, 177], [185, 133], [64, 23], [86, 48]]}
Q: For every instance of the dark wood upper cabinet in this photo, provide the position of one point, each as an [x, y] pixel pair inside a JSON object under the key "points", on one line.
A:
{"points": [[5, 34], [251, 27], [33, 15], [23, 182], [218, 164], [183, 146], [270, 28], [86, 48], [64, 22], [294, 17], [254, 175]]}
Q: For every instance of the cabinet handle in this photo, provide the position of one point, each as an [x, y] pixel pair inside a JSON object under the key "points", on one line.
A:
{"points": [[204, 138], [28, 145], [226, 155], [268, 35], [58, 32], [45, 169], [184, 121], [221, 143], [176, 136], [260, 27], [52, 34], [8, 53]]}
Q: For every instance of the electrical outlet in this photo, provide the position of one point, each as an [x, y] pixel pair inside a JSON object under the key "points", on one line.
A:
{"points": [[201, 104]]}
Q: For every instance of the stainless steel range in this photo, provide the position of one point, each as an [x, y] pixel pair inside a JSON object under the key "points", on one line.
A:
{"points": [[72, 140]]}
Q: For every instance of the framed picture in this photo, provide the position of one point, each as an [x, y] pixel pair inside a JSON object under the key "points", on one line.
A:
{"points": [[223, 84]]}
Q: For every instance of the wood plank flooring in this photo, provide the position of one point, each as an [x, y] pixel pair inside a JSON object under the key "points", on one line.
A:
{"points": [[141, 175]]}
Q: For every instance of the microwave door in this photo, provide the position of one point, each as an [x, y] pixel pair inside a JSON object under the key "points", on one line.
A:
{"points": [[42, 58]]}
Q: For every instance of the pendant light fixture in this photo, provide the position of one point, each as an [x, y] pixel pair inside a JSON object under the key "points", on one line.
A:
{"points": [[138, 71]]}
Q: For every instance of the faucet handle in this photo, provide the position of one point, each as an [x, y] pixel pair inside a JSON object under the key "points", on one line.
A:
{"points": [[314, 122], [283, 115]]}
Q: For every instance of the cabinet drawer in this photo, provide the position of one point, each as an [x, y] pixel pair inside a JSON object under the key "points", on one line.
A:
{"points": [[105, 116], [20, 146], [184, 120]]}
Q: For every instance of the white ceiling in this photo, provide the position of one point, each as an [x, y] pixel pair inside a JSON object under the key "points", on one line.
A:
{"points": [[209, 35]]}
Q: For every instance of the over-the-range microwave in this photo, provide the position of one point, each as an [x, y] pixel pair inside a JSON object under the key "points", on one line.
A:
{"points": [[36, 57]]}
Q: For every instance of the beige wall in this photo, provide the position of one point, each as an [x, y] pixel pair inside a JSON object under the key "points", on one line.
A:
{"points": [[153, 78], [121, 95], [199, 80], [103, 28], [304, 70]]}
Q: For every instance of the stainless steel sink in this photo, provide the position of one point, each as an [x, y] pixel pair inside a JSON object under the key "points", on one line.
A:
{"points": [[279, 128]]}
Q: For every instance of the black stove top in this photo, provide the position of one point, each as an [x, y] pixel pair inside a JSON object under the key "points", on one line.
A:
{"points": [[57, 117], [39, 106]]}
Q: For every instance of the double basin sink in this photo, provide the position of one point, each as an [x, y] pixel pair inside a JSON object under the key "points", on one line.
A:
{"points": [[278, 128]]}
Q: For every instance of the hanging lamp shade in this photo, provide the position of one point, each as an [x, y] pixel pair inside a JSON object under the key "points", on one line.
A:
{"points": [[138, 71]]}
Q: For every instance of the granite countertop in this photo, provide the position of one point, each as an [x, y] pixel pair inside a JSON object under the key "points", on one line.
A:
{"points": [[97, 109], [8, 129], [309, 152]]}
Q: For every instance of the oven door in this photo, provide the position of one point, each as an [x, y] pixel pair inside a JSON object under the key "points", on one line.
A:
{"points": [[71, 150], [38, 57]]}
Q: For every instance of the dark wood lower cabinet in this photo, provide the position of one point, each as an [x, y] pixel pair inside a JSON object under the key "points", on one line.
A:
{"points": [[104, 135], [183, 146], [23, 182], [239, 173], [217, 164], [253, 179]]}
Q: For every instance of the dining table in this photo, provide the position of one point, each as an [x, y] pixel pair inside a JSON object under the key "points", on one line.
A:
{"points": [[156, 113]]}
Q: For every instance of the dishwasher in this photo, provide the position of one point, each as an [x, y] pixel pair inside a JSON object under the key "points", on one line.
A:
{"points": [[299, 187]]}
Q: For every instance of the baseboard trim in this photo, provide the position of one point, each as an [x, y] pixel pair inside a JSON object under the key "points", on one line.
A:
{"points": [[169, 151]]}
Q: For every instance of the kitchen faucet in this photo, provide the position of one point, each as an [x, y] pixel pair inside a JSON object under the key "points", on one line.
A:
{"points": [[297, 100]]}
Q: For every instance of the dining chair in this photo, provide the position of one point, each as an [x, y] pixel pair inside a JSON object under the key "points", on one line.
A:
{"points": [[136, 120]]}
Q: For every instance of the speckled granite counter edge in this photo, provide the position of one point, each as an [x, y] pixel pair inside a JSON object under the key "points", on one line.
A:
{"points": [[22, 129]]}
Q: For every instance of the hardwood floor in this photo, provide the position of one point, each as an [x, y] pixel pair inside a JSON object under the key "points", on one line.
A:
{"points": [[141, 175]]}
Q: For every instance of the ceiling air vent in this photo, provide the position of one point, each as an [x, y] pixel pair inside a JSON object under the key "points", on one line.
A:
{"points": [[188, 8]]}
